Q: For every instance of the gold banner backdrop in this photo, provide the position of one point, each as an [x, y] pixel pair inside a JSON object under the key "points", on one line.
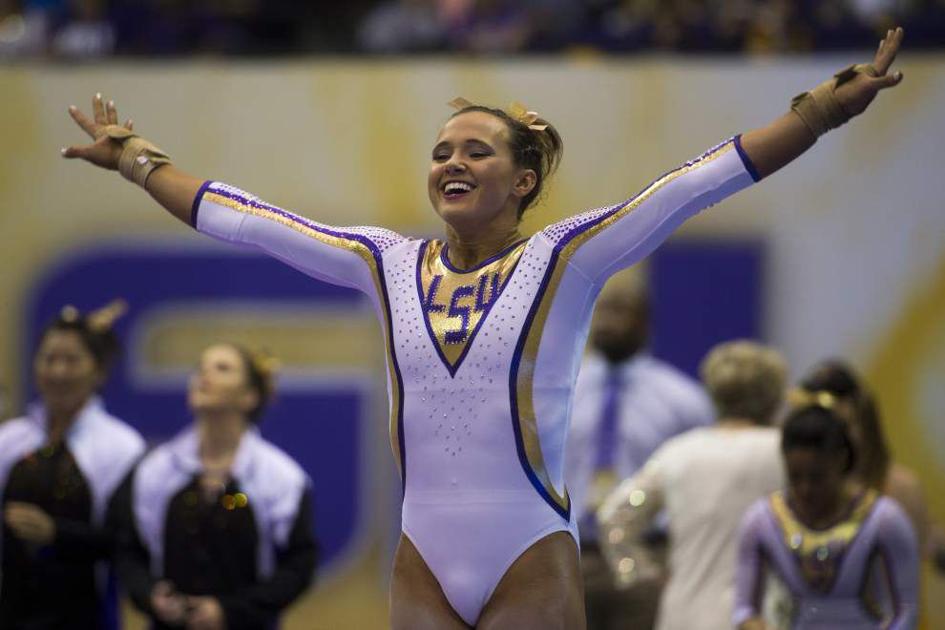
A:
{"points": [[856, 265]]}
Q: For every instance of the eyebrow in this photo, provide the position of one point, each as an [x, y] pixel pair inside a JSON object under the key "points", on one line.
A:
{"points": [[445, 143]]}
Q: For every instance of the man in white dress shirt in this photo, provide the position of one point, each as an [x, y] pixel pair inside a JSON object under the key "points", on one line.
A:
{"points": [[626, 404]]}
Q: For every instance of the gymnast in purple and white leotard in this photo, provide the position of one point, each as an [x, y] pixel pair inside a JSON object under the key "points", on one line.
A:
{"points": [[484, 330], [840, 557]]}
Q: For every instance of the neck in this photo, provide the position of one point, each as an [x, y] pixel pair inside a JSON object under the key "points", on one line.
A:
{"points": [[832, 516], [468, 248], [59, 419], [220, 434]]}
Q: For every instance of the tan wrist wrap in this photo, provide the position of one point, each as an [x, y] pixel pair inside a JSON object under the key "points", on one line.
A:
{"points": [[819, 109], [139, 158]]}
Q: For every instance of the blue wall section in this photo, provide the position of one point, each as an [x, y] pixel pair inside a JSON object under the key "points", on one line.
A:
{"points": [[704, 292]]}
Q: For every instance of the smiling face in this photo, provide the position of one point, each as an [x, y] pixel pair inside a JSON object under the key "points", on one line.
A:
{"points": [[474, 180], [220, 384], [66, 372]]}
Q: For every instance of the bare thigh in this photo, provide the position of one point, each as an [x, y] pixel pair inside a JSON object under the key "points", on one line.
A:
{"points": [[416, 600], [542, 590]]}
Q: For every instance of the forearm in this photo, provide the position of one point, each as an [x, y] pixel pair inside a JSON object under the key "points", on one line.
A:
{"points": [[775, 145], [175, 190]]}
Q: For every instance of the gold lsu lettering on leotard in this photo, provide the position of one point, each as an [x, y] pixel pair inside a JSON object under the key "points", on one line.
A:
{"points": [[454, 301]]}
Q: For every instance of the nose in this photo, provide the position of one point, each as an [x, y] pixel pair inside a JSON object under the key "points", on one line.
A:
{"points": [[454, 167]]}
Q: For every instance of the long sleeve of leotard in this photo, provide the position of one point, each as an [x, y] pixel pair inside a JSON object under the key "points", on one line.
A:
{"points": [[349, 257], [898, 549], [600, 242], [749, 568]]}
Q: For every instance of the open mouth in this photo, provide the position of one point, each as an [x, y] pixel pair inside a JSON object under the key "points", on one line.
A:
{"points": [[457, 190]]}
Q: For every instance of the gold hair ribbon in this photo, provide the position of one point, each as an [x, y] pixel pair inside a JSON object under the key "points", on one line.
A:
{"points": [[459, 103], [266, 364], [516, 111], [102, 319], [799, 397], [519, 112]]}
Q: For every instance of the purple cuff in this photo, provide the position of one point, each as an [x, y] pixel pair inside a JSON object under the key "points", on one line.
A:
{"points": [[197, 199], [749, 166]]}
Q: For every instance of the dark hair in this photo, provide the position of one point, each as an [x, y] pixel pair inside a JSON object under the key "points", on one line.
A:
{"points": [[817, 428], [102, 343], [259, 377], [838, 378], [539, 151]]}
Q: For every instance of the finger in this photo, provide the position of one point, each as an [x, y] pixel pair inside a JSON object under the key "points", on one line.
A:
{"points": [[111, 114], [98, 109], [887, 81], [74, 152], [889, 48], [130, 125], [82, 120]]}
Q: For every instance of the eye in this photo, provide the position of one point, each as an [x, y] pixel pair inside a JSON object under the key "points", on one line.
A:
{"points": [[441, 156]]}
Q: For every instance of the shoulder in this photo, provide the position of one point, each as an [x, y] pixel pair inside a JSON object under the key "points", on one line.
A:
{"points": [[121, 435], [678, 386], [277, 466], [15, 427]]}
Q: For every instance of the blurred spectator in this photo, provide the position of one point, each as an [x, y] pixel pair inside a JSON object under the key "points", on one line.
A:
{"points": [[626, 404], [704, 479], [842, 558], [60, 465], [403, 26], [86, 33], [857, 406], [215, 526]]}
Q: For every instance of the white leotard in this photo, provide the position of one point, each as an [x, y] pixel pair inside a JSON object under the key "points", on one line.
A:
{"points": [[481, 362]]}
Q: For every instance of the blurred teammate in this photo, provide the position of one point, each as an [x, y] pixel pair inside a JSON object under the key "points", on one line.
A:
{"points": [[59, 467], [626, 404], [216, 525], [485, 329], [704, 479], [847, 557], [874, 468]]}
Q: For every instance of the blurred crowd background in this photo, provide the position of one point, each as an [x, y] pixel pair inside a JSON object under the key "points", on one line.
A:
{"points": [[82, 29]]}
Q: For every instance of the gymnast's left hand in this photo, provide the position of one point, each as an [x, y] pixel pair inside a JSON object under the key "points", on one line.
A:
{"points": [[205, 613], [30, 523], [104, 151], [856, 94]]}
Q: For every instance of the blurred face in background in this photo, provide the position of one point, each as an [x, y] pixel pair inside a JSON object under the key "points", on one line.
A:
{"points": [[815, 482], [65, 371], [619, 328], [473, 177], [220, 384]]}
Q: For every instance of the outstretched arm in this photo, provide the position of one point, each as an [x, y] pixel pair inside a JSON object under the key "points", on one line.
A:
{"points": [[348, 257], [771, 147], [171, 187]]}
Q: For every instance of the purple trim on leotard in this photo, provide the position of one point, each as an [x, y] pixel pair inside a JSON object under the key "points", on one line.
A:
{"points": [[453, 369], [195, 208], [379, 261], [749, 165]]}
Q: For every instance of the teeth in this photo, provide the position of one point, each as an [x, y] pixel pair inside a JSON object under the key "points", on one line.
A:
{"points": [[455, 187]]}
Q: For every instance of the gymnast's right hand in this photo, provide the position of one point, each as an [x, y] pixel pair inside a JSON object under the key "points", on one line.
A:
{"points": [[104, 151]]}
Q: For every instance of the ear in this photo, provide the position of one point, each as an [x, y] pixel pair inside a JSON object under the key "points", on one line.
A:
{"points": [[525, 183]]}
